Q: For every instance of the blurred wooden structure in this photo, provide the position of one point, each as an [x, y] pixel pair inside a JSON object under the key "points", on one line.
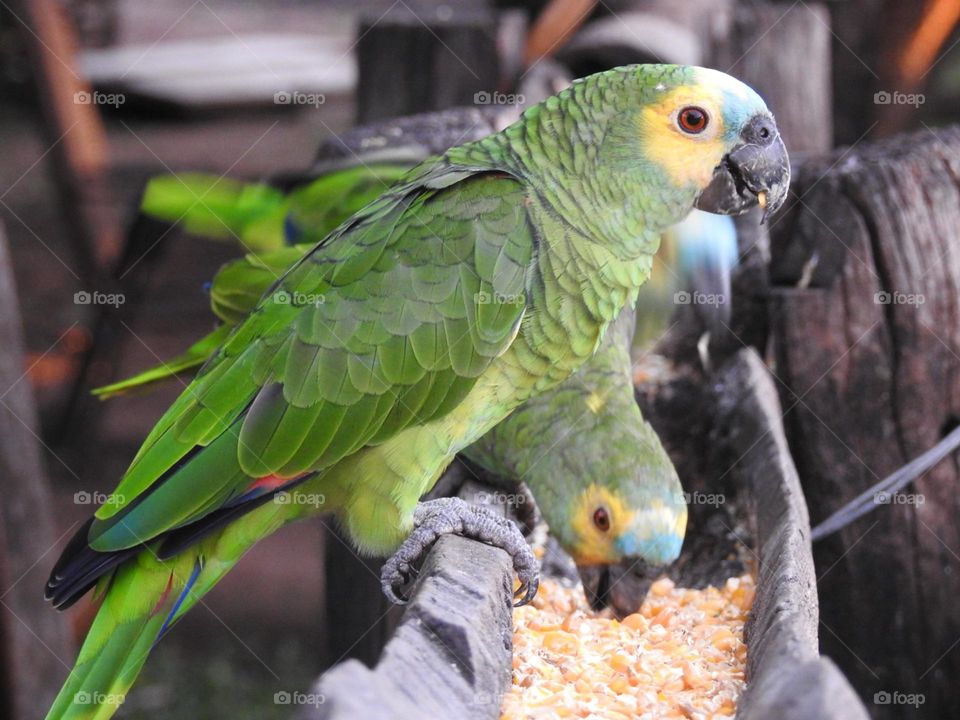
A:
{"points": [[421, 56], [34, 640], [764, 45], [866, 326], [74, 130]]}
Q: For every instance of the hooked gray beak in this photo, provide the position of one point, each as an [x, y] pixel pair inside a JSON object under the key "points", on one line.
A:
{"points": [[755, 172], [622, 586]]}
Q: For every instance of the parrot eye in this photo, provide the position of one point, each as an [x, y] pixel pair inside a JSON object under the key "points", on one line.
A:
{"points": [[601, 518], [693, 120]]}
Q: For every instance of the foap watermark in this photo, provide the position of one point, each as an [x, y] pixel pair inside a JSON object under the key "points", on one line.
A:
{"points": [[297, 298], [886, 498], [295, 497], [701, 498], [299, 98], [898, 298], [498, 98], [282, 697], [495, 498], [98, 698], [497, 298], [83, 297], [97, 498], [485, 700], [95, 97], [885, 97], [896, 697], [683, 297]]}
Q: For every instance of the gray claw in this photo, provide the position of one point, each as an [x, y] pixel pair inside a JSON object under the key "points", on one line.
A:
{"points": [[394, 576], [528, 589], [444, 516]]}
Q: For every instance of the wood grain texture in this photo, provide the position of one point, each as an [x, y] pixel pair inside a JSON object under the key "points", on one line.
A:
{"points": [[35, 639], [868, 353], [766, 44], [787, 678], [451, 653]]}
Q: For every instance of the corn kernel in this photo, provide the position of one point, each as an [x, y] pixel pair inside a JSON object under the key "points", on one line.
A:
{"points": [[681, 655]]}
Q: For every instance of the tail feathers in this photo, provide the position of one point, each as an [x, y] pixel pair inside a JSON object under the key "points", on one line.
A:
{"points": [[140, 598], [190, 360], [215, 207], [143, 599]]}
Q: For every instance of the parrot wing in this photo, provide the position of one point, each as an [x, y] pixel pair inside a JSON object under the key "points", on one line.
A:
{"points": [[219, 208], [381, 326]]}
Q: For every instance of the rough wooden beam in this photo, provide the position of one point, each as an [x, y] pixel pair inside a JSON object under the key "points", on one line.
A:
{"points": [[867, 348], [451, 653], [36, 642], [786, 677]]}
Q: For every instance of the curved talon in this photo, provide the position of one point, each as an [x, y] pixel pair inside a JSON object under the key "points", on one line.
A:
{"points": [[528, 590], [393, 577]]}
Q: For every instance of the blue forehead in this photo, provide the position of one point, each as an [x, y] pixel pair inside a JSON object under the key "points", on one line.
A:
{"points": [[739, 108], [656, 549]]}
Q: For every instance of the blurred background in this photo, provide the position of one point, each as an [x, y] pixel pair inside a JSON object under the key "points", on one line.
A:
{"points": [[100, 95]]}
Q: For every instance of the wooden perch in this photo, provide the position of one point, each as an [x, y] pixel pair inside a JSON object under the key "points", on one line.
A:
{"points": [[786, 677], [451, 654]]}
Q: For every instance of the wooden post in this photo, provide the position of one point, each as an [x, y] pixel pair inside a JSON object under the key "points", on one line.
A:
{"points": [[35, 651], [359, 618], [786, 677], [420, 57], [72, 123], [868, 355], [783, 52]]}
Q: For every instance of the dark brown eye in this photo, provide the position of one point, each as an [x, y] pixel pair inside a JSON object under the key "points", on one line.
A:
{"points": [[601, 518], [693, 120]]}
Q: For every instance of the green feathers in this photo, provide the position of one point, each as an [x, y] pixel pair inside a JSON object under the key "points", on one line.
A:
{"points": [[325, 364]]}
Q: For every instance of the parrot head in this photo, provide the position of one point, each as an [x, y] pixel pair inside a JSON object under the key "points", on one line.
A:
{"points": [[637, 522], [634, 512], [712, 134], [677, 137], [621, 505]]}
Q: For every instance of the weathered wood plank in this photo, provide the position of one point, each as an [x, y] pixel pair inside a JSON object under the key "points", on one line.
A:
{"points": [[869, 354], [765, 44], [451, 653], [786, 677], [419, 57], [36, 642]]}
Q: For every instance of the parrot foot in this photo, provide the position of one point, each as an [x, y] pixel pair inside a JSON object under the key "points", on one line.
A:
{"points": [[444, 516]]}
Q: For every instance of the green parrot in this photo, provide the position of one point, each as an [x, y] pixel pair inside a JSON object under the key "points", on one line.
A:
{"points": [[595, 407], [484, 277]]}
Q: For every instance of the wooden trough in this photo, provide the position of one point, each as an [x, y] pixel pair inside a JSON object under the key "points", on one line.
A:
{"points": [[451, 653]]}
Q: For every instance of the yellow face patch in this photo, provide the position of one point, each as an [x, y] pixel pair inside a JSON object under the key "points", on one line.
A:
{"points": [[596, 545], [685, 158]]}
